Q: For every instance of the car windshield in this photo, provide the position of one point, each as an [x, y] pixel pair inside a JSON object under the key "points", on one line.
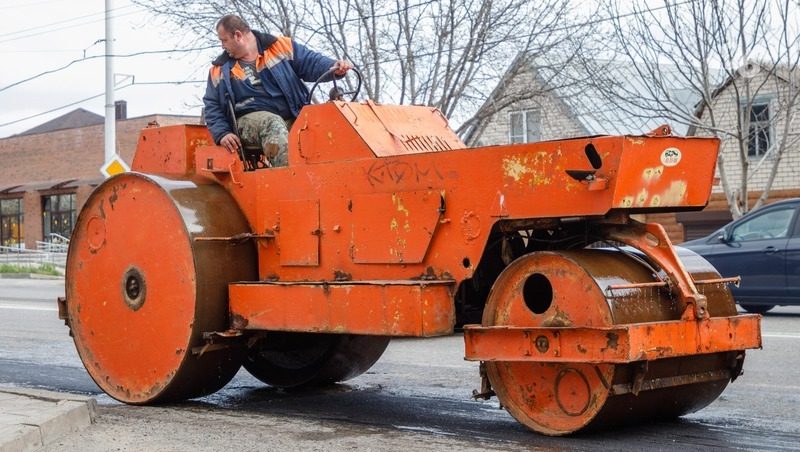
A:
{"points": [[770, 225]]}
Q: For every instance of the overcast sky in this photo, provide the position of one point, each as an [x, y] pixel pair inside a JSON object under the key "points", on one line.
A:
{"points": [[43, 35]]}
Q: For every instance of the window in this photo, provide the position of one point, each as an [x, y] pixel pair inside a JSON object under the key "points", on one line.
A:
{"points": [[58, 215], [11, 221], [771, 225], [525, 126], [759, 134]]}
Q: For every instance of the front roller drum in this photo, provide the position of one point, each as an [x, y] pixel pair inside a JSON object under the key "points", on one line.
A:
{"points": [[143, 286], [569, 290]]}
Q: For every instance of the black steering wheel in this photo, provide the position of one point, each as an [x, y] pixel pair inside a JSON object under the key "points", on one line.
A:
{"points": [[336, 93]]}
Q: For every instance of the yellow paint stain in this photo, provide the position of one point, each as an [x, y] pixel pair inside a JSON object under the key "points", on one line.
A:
{"points": [[407, 226], [539, 165], [655, 201], [641, 198], [398, 202], [330, 137], [636, 140], [402, 243], [515, 168], [393, 224], [652, 174], [540, 179], [675, 195], [627, 201]]}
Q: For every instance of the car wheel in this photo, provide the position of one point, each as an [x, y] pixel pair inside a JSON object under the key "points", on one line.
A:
{"points": [[757, 308]]}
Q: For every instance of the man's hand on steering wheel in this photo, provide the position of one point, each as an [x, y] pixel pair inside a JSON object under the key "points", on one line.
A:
{"points": [[341, 67], [338, 70]]}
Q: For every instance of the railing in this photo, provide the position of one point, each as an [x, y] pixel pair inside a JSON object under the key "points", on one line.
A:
{"points": [[53, 252]]}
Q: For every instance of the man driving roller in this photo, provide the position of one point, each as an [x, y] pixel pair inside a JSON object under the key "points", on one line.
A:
{"points": [[255, 89]]}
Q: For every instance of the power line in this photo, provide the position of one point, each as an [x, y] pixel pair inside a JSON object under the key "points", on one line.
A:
{"points": [[25, 30], [57, 108], [23, 5], [126, 55], [39, 33], [77, 102]]}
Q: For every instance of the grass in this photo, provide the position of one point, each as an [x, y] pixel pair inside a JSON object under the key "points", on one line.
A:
{"points": [[41, 269]]}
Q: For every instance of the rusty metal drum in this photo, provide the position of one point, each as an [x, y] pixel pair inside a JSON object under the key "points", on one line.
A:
{"points": [[576, 289], [143, 286]]}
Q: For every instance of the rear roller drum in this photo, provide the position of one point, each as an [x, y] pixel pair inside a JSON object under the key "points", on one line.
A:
{"points": [[142, 289], [569, 289], [288, 360]]}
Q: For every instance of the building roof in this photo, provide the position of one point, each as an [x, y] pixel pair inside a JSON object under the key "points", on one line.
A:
{"points": [[473, 132], [74, 119]]}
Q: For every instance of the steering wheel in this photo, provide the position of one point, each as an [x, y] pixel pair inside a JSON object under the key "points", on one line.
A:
{"points": [[336, 93]]}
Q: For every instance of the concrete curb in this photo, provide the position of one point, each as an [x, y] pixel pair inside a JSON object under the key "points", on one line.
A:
{"points": [[34, 418], [28, 276]]}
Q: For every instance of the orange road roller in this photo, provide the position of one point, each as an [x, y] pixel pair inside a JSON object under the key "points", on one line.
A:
{"points": [[384, 224]]}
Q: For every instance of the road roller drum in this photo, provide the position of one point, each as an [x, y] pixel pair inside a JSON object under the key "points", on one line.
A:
{"points": [[385, 224], [571, 289]]}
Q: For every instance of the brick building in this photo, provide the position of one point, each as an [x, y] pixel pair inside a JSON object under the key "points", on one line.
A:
{"points": [[48, 172]]}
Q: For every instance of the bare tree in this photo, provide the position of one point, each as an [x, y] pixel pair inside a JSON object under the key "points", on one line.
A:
{"points": [[706, 64], [443, 53]]}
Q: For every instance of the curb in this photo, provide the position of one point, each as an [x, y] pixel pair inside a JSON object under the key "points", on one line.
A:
{"points": [[45, 417], [28, 276]]}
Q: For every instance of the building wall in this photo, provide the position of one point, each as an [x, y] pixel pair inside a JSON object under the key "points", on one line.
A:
{"points": [[725, 109], [556, 120], [785, 185], [43, 164]]}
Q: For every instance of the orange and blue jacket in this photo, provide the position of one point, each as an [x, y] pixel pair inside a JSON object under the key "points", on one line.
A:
{"points": [[289, 63]]}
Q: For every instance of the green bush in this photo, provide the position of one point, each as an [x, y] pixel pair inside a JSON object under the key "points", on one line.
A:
{"points": [[41, 269]]}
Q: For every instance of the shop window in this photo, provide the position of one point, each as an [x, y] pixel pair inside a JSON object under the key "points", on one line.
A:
{"points": [[58, 215], [11, 221]]}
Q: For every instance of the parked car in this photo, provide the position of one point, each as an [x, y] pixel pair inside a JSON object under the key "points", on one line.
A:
{"points": [[763, 247]]}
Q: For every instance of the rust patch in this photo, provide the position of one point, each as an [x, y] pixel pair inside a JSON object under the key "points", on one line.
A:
{"points": [[559, 319], [340, 275], [238, 322], [429, 275], [114, 197], [612, 341]]}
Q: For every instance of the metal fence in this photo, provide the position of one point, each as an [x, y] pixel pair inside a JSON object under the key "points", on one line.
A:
{"points": [[53, 252]]}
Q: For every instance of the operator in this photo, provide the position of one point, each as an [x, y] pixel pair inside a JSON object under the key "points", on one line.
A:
{"points": [[257, 85]]}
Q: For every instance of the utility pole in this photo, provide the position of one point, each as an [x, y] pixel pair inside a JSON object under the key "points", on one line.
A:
{"points": [[113, 163], [111, 126]]}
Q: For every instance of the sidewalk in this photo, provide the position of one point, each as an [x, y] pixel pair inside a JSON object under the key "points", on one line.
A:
{"points": [[33, 418]]}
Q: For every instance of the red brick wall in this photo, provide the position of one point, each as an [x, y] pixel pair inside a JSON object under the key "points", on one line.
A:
{"points": [[32, 207], [42, 160]]}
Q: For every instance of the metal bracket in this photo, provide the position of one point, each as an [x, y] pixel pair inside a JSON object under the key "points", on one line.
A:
{"points": [[486, 391], [219, 340], [652, 240]]}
